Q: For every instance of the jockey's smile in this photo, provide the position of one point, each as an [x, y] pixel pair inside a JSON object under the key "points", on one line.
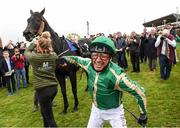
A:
{"points": [[100, 60]]}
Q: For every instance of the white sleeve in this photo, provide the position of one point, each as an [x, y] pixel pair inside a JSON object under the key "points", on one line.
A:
{"points": [[171, 42], [158, 41]]}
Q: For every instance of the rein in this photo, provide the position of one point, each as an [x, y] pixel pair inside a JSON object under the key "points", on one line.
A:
{"points": [[40, 31], [63, 52], [41, 28]]}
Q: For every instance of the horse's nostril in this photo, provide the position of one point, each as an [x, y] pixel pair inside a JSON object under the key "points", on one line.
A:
{"points": [[25, 33]]}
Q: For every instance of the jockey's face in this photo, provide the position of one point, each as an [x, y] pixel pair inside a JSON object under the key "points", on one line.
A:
{"points": [[100, 60]]}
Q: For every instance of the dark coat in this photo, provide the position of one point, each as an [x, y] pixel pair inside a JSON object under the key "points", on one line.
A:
{"points": [[120, 43], [4, 66], [151, 49], [1, 53], [134, 46], [1, 57], [143, 46]]}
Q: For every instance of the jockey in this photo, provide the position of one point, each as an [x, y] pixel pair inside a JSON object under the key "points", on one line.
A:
{"points": [[106, 84]]}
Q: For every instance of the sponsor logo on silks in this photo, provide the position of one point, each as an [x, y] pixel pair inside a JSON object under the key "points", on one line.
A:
{"points": [[45, 66]]}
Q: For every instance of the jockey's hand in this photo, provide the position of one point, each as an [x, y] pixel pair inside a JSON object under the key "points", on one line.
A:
{"points": [[62, 60], [142, 119]]}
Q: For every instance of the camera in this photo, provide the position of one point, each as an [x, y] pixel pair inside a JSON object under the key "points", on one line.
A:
{"points": [[18, 56], [163, 37]]}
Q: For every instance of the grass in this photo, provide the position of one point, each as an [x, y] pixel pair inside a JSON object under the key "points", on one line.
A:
{"points": [[163, 102]]}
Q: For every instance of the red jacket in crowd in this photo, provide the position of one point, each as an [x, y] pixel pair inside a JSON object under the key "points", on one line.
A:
{"points": [[18, 61]]}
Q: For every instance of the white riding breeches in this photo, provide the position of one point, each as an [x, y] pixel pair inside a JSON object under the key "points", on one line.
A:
{"points": [[114, 116]]}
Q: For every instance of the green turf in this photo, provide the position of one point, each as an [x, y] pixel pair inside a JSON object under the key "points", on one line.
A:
{"points": [[163, 102]]}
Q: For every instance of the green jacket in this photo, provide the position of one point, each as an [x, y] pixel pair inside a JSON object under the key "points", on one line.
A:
{"points": [[43, 66], [106, 88], [177, 41]]}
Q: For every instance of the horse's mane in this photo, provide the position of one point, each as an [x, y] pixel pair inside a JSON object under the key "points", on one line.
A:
{"points": [[58, 43]]}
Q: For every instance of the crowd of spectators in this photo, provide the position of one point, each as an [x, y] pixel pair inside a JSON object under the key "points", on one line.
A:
{"points": [[13, 67], [140, 47]]}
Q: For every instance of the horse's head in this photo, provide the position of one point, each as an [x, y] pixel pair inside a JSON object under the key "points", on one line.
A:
{"points": [[35, 25]]}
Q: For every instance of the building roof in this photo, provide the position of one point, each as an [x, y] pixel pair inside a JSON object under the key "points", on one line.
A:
{"points": [[174, 17]]}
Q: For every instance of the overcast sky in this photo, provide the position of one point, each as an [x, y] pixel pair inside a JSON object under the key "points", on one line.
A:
{"points": [[67, 16]]}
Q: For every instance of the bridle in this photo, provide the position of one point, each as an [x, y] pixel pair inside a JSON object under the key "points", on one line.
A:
{"points": [[41, 27], [40, 31]]}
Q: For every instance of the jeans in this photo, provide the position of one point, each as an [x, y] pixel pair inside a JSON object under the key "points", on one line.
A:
{"points": [[135, 61], [2, 81], [122, 62], [20, 72], [165, 67], [11, 84], [27, 73], [152, 63]]}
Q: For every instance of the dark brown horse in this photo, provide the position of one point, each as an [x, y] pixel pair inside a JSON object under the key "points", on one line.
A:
{"points": [[36, 24]]}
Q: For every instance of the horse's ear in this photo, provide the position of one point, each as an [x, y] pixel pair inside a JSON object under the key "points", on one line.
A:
{"points": [[42, 12], [31, 12]]}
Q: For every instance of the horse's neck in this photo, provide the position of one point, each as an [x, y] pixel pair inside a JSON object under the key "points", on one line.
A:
{"points": [[52, 32], [56, 41]]}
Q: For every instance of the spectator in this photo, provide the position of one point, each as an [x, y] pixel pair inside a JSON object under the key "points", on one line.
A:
{"points": [[7, 69], [151, 50], [121, 47], [2, 80], [165, 50], [143, 46], [22, 48], [10, 47], [18, 60], [134, 47]]}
